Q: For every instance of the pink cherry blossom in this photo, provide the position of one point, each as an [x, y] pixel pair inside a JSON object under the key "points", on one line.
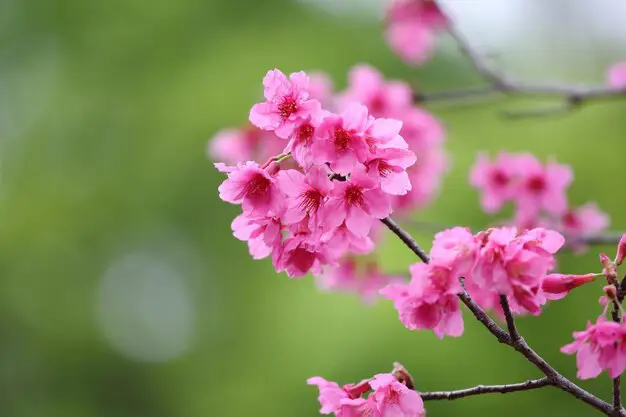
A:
{"points": [[341, 240], [495, 180], [287, 104], [247, 144], [348, 277], [306, 195], [542, 187], [557, 286], [457, 250], [341, 141], [300, 255], [429, 301], [515, 265], [366, 85], [421, 129], [359, 202], [303, 137], [411, 26], [393, 399], [252, 187], [330, 395], [584, 221], [320, 87], [389, 166], [262, 233], [601, 346], [616, 75]]}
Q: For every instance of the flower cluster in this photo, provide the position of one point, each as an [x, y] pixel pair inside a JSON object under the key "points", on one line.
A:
{"points": [[349, 167], [387, 398], [495, 262], [603, 344], [411, 26], [335, 164], [538, 192]]}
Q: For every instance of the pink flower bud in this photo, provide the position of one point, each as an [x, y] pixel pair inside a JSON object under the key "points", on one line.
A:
{"points": [[556, 286], [610, 291], [610, 269], [621, 250], [273, 168], [356, 390]]}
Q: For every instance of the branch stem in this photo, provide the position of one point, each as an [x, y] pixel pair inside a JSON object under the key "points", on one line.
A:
{"points": [[486, 389]]}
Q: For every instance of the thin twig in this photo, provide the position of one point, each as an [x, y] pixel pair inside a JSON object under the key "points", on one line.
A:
{"points": [[572, 96], [510, 320], [486, 389], [520, 344], [406, 238]]}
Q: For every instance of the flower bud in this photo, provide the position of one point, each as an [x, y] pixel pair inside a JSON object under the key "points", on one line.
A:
{"points": [[556, 286], [621, 250], [273, 168], [610, 291], [610, 269]]}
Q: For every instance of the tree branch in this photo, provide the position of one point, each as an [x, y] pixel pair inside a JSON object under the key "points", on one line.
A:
{"points": [[520, 344], [406, 238], [572, 96], [510, 320], [486, 389]]}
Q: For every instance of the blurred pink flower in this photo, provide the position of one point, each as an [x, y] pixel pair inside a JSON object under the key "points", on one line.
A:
{"points": [[616, 75], [600, 346]]}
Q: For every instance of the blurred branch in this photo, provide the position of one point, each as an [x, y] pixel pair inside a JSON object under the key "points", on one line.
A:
{"points": [[571, 96], [486, 389], [518, 344]]}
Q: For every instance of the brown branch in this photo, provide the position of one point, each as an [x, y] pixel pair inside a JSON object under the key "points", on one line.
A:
{"points": [[510, 320], [571, 96], [520, 344], [406, 238], [486, 389]]}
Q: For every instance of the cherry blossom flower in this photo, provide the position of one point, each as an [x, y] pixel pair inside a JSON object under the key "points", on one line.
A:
{"points": [[320, 87], [457, 250], [429, 301], [601, 346], [411, 25], [393, 399], [300, 255], [584, 221], [543, 187], [390, 165], [341, 140], [358, 201], [262, 233], [247, 144], [306, 194], [495, 180], [366, 85], [341, 240], [616, 75], [330, 395], [252, 187], [287, 104], [515, 265]]}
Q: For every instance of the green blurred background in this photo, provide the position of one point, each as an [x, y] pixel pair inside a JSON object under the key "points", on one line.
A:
{"points": [[122, 292]]}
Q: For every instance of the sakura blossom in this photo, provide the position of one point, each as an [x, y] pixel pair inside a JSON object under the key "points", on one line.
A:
{"points": [[616, 75], [601, 346], [287, 103], [411, 28]]}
